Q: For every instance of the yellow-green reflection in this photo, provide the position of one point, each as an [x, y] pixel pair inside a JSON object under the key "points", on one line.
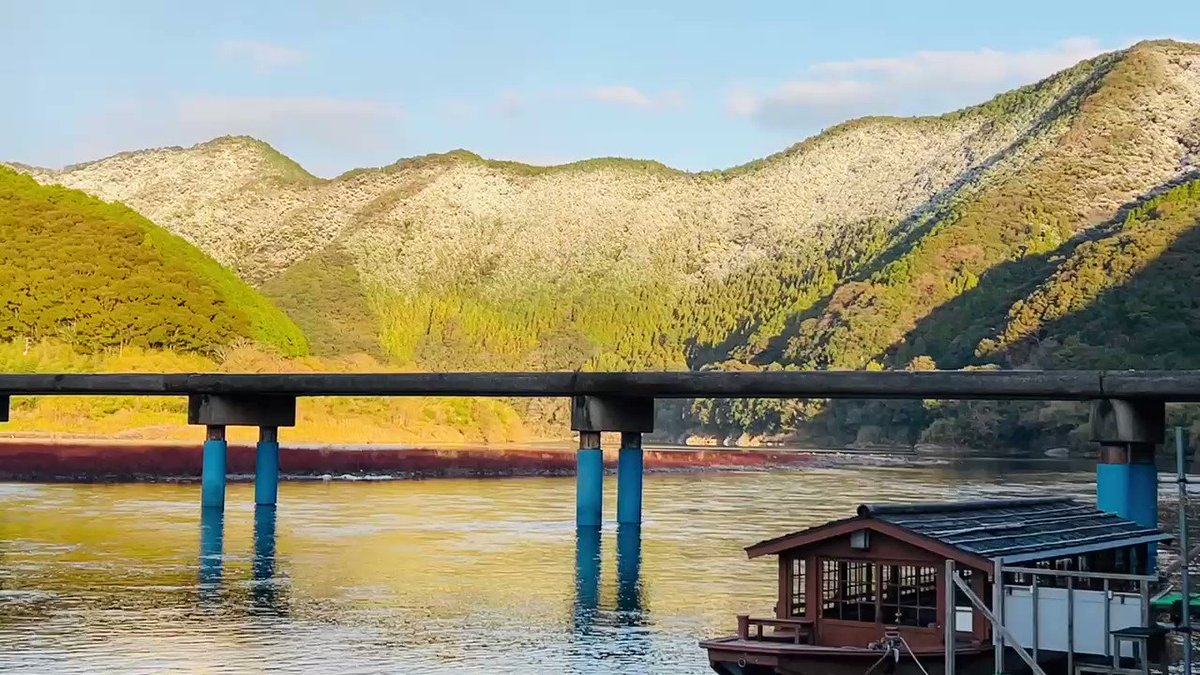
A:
{"points": [[440, 575]]}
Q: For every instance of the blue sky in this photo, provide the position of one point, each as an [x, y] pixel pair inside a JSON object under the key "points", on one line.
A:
{"points": [[694, 84]]}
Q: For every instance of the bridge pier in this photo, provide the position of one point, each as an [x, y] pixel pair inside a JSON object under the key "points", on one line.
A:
{"points": [[212, 473], [266, 467], [589, 481], [3, 408], [216, 412], [629, 479], [591, 415], [1128, 432]]}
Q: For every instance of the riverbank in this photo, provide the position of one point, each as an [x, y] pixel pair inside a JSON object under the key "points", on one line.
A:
{"points": [[86, 460]]}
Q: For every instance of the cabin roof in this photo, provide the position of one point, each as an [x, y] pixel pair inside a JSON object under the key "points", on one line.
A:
{"points": [[1010, 530]]}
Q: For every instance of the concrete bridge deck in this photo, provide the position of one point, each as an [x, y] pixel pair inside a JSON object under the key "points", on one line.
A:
{"points": [[1065, 385], [1128, 417]]}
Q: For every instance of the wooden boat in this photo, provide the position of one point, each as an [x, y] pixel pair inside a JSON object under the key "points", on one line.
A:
{"points": [[867, 594]]}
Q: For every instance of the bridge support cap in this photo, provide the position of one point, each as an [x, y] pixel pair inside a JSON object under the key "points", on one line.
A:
{"points": [[612, 413], [1117, 420], [242, 411]]}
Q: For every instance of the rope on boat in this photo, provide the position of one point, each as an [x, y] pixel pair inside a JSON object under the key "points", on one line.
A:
{"points": [[891, 642], [914, 656], [889, 652]]}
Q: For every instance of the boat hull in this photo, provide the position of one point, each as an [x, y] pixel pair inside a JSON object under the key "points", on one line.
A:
{"points": [[744, 657]]}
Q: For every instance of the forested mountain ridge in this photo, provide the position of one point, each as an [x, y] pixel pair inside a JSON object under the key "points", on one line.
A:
{"points": [[970, 239], [97, 276]]}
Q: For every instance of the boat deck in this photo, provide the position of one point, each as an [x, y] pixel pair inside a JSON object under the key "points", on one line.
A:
{"points": [[782, 647]]}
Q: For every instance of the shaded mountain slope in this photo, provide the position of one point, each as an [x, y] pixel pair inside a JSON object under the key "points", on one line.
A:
{"points": [[1135, 129]]}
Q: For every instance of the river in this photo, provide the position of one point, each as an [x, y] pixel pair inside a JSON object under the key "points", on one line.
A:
{"points": [[422, 576]]}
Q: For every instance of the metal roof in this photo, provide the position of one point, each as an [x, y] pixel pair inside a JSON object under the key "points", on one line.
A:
{"points": [[1016, 530]]}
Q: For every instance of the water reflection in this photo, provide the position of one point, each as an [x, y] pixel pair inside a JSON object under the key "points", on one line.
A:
{"points": [[629, 568], [266, 587], [587, 577], [212, 545], [442, 576], [605, 628]]}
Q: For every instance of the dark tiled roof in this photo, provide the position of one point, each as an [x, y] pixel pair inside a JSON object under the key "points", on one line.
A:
{"points": [[1016, 529]]}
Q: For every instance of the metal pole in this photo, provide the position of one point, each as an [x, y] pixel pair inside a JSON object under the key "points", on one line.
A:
{"points": [[1108, 640], [1071, 625], [998, 625], [950, 616], [1185, 581], [998, 610], [1033, 590]]}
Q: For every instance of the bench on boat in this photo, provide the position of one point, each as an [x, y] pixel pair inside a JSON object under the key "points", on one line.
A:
{"points": [[800, 629]]}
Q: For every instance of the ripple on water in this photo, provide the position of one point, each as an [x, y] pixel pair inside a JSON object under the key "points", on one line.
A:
{"points": [[419, 576]]}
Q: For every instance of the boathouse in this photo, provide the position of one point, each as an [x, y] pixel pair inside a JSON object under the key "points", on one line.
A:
{"points": [[844, 584]]}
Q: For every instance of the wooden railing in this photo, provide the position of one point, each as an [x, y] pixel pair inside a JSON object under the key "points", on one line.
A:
{"points": [[801, 629]]}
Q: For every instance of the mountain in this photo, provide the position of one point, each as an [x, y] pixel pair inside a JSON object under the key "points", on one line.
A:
{"points": [[98, 275], [996, 235]]}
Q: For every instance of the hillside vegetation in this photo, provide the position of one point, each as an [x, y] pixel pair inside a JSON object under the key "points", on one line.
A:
{"points": [[1051, 226], [98, 275], [341, 420]]}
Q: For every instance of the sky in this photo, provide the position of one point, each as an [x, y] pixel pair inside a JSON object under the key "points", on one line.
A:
{"points": [[694, 84]]}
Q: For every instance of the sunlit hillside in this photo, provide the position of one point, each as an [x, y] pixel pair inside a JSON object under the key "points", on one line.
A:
{"points": [[1050, 226]]}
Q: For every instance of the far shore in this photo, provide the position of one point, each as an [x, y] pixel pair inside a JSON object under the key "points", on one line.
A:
{"points": [[78, 459]]}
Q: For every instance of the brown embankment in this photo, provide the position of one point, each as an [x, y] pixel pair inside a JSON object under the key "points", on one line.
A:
{"points": [[96, 461]]}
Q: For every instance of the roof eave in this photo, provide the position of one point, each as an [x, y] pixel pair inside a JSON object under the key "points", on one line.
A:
{"points": [[839, 527], [1082, 548]]}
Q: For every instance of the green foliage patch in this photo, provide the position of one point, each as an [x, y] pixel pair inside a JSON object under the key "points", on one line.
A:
{"points": [[98, 275]]}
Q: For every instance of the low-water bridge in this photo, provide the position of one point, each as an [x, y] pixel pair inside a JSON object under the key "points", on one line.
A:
{"points": [[1128, 412]]}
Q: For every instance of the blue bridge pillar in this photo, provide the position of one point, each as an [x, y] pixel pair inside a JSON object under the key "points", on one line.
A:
{"points": [[266, 467], [629, 479], [268, 413], [1127, 483], [589, 481], [591, 415], [1126, 477], [212, 474]]}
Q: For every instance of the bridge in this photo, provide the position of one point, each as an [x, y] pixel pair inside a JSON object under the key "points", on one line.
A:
{"points": [[1128, 412]]}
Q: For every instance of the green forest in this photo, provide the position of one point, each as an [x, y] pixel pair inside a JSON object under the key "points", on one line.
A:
{"points": [[1074, 244], [98, 276]]}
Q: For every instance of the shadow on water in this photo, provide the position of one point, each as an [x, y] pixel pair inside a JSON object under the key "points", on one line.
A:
{"points": [[266, 590], [621, 629], [629, 570], [212, 545], [267, 595], [587, 578]]}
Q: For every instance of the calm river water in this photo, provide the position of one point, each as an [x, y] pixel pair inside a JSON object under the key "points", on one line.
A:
{"points": [[420, 576]]}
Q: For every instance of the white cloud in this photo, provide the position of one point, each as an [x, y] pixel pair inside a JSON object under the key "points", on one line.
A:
{"points": [[263, 57], [632, 97], [336, 117], [510, 105], [920, 83]]}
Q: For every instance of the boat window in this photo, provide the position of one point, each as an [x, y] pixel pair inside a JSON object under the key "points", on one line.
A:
{"points": [[799, 577], [848, 590], [909, 596]]}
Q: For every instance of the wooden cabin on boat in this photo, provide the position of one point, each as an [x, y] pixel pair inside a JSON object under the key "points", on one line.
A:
{"points": [[851, 590]]}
